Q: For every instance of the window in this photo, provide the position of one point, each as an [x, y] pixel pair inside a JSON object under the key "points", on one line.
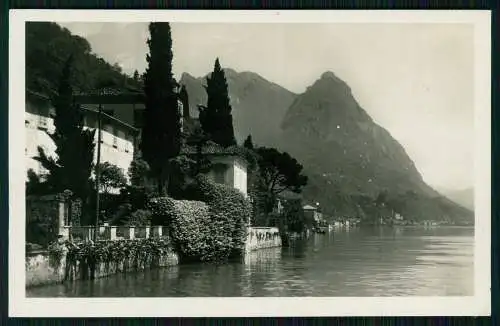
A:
{"points": [[127, 144], [42, 122], [107, 134], [127, 141]]}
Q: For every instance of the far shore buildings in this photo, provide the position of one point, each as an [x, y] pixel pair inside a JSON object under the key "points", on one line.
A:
{"points": [[312, 213], [121, 124]]}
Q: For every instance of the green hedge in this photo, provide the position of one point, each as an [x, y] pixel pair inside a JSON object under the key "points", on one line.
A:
{"points": [[213, 228]]}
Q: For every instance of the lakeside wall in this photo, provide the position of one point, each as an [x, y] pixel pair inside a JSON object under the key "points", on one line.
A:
{"points": [[42, 269], [260, 238]]}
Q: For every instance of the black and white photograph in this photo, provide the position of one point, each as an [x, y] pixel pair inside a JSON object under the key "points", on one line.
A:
{"points": [[204, 163]]}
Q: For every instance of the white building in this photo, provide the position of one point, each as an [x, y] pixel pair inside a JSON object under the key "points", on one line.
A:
{"points": [[117, 142], [227, 166]]}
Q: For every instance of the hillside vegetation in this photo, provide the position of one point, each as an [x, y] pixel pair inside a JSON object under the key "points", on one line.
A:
{"points": [[48, 46]]}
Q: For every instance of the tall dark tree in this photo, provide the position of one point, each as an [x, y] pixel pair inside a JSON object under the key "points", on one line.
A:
{"points": [[248, 142], [199, 139], [277, 172], [161, 133], [72, 167], [183, 96], [136, 76], [216, 118]]}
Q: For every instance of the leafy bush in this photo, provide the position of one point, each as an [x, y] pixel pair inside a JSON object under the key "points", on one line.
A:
{"points": [[137, 196], [140, 217], [210, 229], [121, 215], [117, 250]]}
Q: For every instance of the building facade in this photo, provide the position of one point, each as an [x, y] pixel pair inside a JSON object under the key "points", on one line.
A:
{"points": [[118, 139], [229, 170]]}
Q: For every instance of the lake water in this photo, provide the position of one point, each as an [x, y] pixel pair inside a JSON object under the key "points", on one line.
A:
{"points": [[358, 262]]}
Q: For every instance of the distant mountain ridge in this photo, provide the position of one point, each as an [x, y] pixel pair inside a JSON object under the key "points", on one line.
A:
{"points": [[350, 160], [463, 197], [258, 104]]}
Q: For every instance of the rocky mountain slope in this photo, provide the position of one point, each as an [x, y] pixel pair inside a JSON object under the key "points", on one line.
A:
{"points": [[258, 105], [350, 159]]}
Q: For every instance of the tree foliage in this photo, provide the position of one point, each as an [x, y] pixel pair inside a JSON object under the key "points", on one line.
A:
{"points": [[275, 173], [71, 168], [47, 48], [294, 217], [111, 177], [216, 118], [138, 172], [199, 139], [280, 171], [161, 134], [35, 186]]}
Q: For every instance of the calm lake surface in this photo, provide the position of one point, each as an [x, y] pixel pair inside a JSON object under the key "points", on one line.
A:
{"points": [[358, 262]]}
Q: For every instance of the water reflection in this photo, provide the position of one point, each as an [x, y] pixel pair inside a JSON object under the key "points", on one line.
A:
{"points": [[356, 262]]}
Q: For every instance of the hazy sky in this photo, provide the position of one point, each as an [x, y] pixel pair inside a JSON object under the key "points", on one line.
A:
{"points": [[416, 80]]}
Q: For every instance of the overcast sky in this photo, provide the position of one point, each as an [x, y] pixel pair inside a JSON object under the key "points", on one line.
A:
{"points": [[415, 80]]}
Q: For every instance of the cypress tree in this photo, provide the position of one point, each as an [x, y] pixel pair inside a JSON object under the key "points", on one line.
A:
{"points": [[72, 168], [136, 76], [248, 142], [216, 118], [161, 133]]}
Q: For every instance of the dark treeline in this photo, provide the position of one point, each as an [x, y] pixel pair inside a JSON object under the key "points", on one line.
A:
{"points": [[48, 46]]}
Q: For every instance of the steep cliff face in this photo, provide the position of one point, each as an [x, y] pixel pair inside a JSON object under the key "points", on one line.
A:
{"points": [[258, 105], [327, 129], [348, 156]]}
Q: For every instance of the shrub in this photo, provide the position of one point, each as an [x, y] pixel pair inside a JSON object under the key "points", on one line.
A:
{"points": [[122, 214], [143, 250], [140, 217], [210, 229]]}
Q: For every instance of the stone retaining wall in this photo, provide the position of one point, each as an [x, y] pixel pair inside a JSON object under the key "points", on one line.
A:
{"points": [[259, 238], [42, 269]]}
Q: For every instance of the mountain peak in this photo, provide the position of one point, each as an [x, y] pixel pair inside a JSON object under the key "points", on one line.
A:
{"points": [[329, 74], [330, 77]]}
